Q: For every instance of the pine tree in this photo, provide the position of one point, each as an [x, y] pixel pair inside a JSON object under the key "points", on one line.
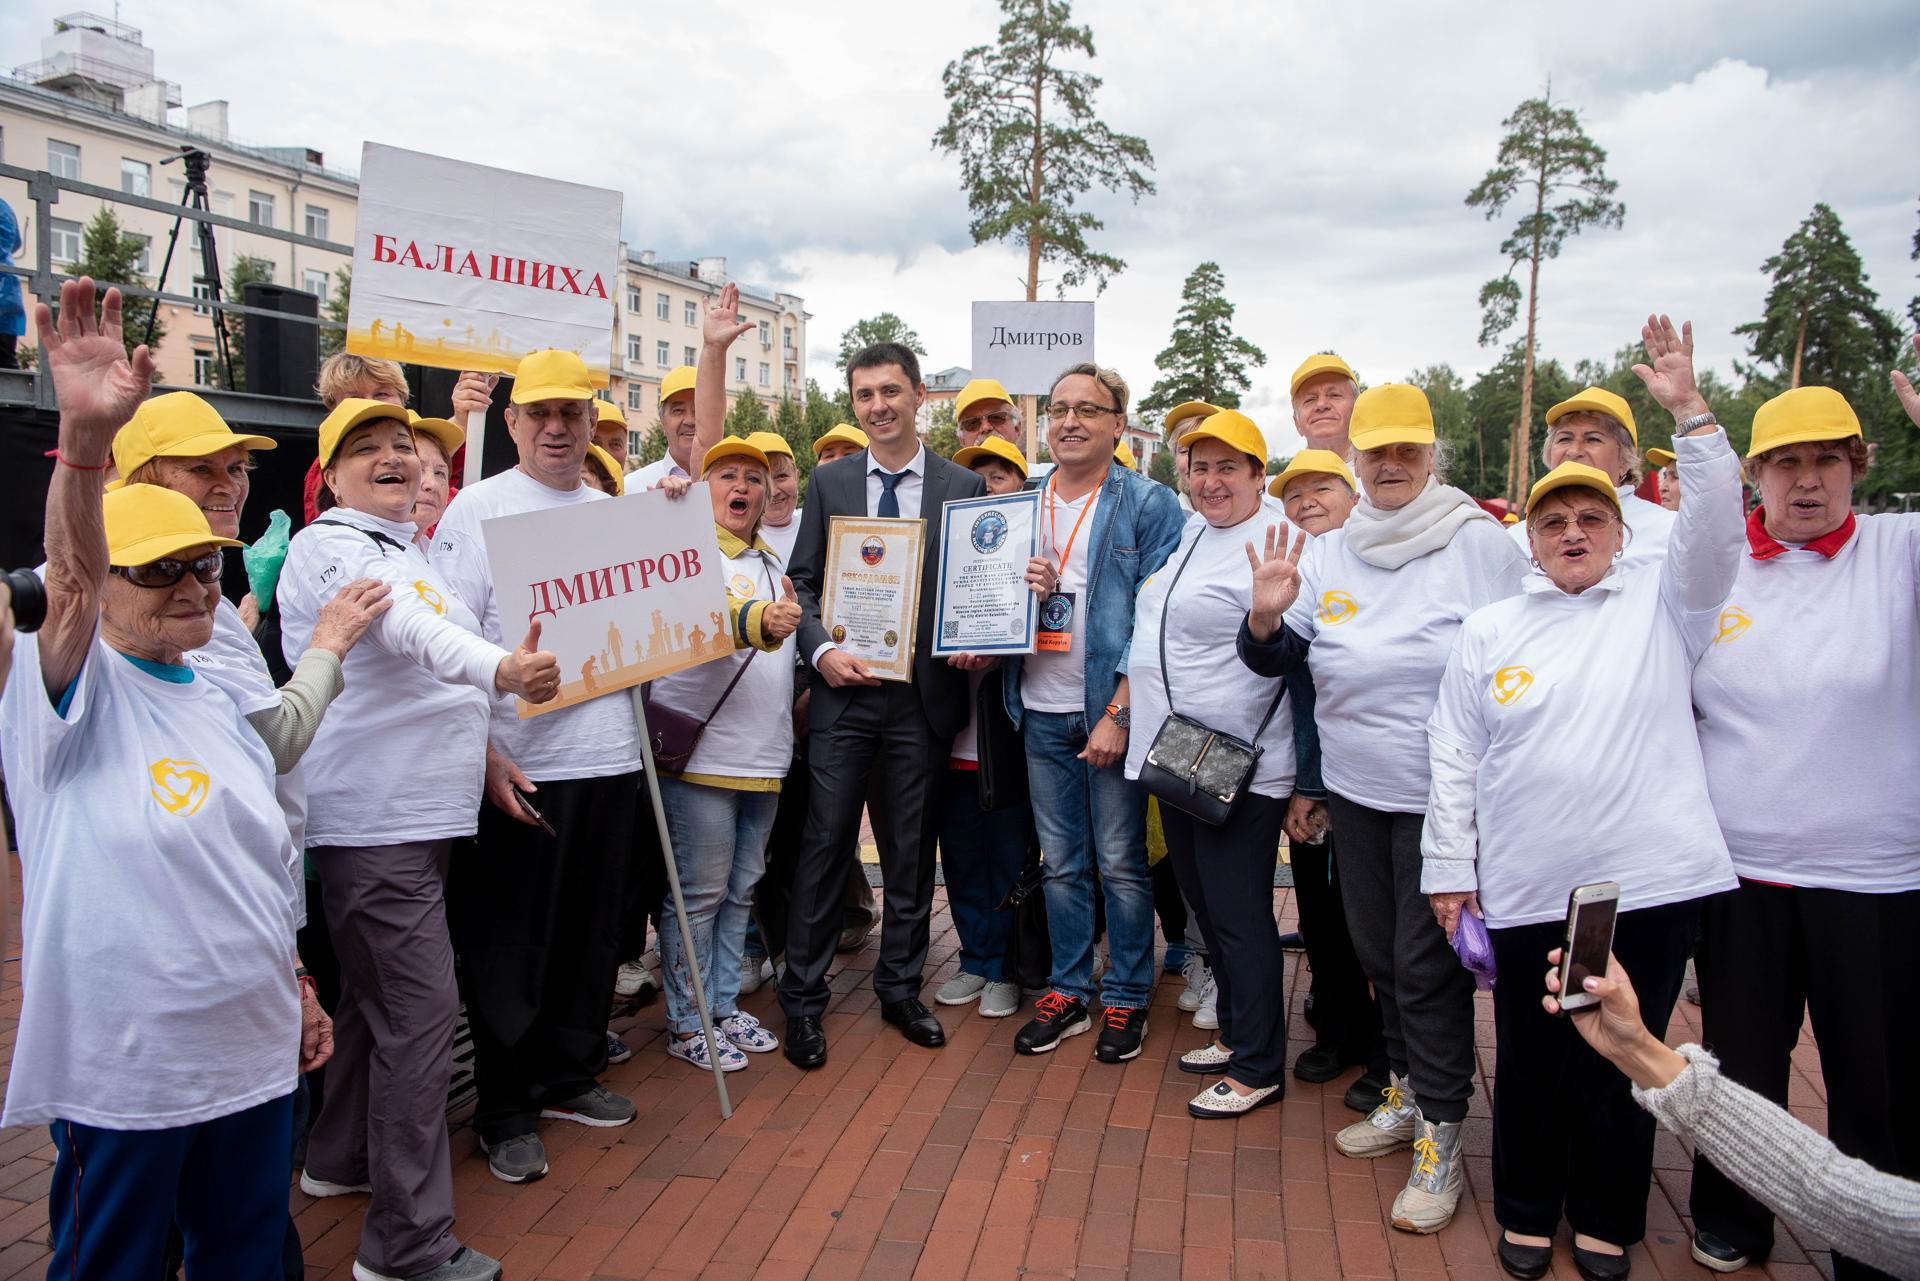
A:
{"points": [[1822, 323], [885, 327], [110, 256], [943, 430], [1205, 360], [245, 271], [1030, 146], [334, 341], [1164, 470], [747, 416]]}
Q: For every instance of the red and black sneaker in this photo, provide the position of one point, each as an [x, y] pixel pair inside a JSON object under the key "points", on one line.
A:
{"points": [[1121, 1032], [1058, 1017]]}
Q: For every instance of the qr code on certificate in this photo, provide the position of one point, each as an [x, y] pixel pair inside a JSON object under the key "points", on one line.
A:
{"points": [[950, 629]]}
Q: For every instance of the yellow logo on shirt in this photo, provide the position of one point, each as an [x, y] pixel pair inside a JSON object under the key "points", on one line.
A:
{"points": [[179, 786], [740, 586], [1337, 608], [1509, 683], [433, 599], [1733, 624]]}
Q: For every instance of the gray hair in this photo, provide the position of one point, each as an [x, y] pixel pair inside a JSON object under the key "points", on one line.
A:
{"points": [[1622, 437]]}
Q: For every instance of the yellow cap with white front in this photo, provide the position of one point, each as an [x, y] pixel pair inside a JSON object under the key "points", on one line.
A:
{"points": [[1660, 459], [1597, 400], [610, 465], [852, 435], [444, 433], [1311, 462], [551, 375], [1184, 412], [770, 443], [609, 411], [352, 412], [1567, 475], [976, 391], [1799, 416], [176, 425], [676, 382], [994, 447], [731, 447], [145, 523], [1391, 414], [1322, 362], [1231, 427]]}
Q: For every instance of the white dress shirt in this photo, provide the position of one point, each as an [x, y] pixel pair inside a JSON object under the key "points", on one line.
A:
{"points": [[906, 491]]}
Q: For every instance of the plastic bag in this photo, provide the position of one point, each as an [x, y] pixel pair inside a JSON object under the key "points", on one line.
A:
{"points": [[1474, 947], [265, 556]]}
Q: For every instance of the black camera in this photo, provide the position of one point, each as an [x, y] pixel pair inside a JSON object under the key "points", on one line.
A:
{"points": [[29, 599]]}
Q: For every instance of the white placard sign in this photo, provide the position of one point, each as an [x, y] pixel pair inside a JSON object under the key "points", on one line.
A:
{"points": [[464, 266], [625, 590], [1026, 344]]}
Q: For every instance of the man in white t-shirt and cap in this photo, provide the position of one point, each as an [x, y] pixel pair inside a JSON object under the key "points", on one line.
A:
{"points": [[677, 425], [982, 409], [1323, 391]]}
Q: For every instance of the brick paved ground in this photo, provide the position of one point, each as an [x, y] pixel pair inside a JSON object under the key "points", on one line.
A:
{"points": [[966, 1162]]}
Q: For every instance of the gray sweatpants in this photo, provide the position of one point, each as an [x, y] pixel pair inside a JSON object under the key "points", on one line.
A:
{"points": [[384, 1120]]}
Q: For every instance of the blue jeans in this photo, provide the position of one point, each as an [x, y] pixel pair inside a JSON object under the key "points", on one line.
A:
{"points": [[981, 852], [1091, 814], [720, 850]]}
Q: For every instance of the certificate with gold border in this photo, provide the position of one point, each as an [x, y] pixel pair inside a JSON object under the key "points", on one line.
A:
{"points": [[870, 592]]}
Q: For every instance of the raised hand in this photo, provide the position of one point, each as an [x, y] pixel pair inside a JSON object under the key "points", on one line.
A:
{"points": [[723, 324], [780, 618], [1669, 373], [1276, 581], [98, 386], [1903, 388], [529, 671]]}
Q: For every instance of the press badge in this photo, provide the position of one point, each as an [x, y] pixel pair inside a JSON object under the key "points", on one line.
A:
{"points": [[1055, 633]]}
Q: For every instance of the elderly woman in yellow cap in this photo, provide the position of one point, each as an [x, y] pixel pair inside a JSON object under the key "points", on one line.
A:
{"points": [[1180, 420], [1174, 669], [602, 470], [720, 800], [781, 523], [396, 778], [1567, 708], [1807, 702], [1595, 426], [1662, 460], [1380, 601], [610, 431], [162, 1023], [838, 442]]}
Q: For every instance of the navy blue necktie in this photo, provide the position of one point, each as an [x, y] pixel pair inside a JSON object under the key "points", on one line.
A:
{"points": [[889, 502]]}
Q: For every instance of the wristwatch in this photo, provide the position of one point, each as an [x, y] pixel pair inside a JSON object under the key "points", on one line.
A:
{"points": [[1121, 714], [1694, 423]]}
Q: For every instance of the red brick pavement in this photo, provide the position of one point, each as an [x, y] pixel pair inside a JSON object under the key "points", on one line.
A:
{"points": [[966, 1162]]}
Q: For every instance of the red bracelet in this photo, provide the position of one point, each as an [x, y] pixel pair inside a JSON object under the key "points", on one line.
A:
{"points": [[62, 459]]}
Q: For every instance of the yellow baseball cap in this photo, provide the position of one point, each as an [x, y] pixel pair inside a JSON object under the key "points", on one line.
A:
{"points": [[1312, 462], [609, 411], [445, 434], [1391, 414], [1569, 474], [551, 375], [353, 411], [977, 390], [1231, 427], [612, 466], [1123, 454], [770, 443], [1793, 418], [1597, 400], [993, 447], [731, 447], [852, 435], [147, 522], [1180, 413], [1660, 459], [176, 425], [1324, 362], [676, 382]]}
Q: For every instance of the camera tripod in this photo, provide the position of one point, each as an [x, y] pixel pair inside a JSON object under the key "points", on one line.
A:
{"points": [[195, 197]]}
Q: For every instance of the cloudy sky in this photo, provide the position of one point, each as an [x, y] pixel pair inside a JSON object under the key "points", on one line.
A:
{"points": [[1319, 151]]}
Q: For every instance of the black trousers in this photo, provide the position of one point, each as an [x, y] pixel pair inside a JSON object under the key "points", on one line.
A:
{"points": [[1227, 875], [1346, 1018], [1771, 954], [1567, 1134], [882, 731], [646, 893], [536, 924], [1426, 995], [774, 893], [1170, 905]]}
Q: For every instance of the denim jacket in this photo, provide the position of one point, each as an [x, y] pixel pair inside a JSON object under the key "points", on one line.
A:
{"points": [[1306, 736], [1136, 526]]}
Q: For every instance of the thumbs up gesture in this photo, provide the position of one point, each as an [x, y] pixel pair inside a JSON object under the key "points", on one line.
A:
{"points": [[783, 616], [529, 671]]}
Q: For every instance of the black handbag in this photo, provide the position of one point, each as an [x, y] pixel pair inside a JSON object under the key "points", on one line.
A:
{"points": [[1198, 770], [1029, 955]]}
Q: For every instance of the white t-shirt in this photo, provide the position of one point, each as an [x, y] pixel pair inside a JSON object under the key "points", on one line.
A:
{"points": [[233, 661], [1380, 642], [1056, 681], [653, 473], [1209, 684], [1809, 713], [402, 753], [1650, 524], [752, 734], [159, 902], [782, 537], [594, 739]]}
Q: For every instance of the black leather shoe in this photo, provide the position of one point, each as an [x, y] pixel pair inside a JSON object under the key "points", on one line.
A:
{"points": [[1710, 1251], [805, 1044], [1292, 942], [1317, 1064], [1526, 1262], [915, 1021], [1595, 1266], [1363, 1096]]}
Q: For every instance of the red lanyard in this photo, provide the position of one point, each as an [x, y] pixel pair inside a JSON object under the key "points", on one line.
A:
{"points": [[1053, 533]]}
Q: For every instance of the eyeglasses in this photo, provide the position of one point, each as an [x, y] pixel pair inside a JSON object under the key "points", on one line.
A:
{"points": [[168, 571], [998, 418], [1082, 410], [1591, 524]]}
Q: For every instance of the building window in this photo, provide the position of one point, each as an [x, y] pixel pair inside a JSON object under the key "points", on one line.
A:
{"points": [[693, 356], [766, 374], [633, 402], [786, 337], [63, 159], [136, 177], [203, 367], [740, 368], [766, 333], [635, 300], [315, 283], [636, 351], [662, 306], [316, 221], [142, 261], [66, 241], [691, 313], [661, 356], [201, 289], [260, 208]]}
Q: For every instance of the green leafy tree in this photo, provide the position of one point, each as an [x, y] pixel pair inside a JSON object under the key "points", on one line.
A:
{"points": [[1558, 175], [1205, 360], [885, 327], [824, 412], [790, 424], [748, 415], [334, 341], [1822, 323], [653, 446], [245, 271], [1493, 406], [1453, 421], [1022, 123], [943, 430], [1163, 470], [111, 257]]}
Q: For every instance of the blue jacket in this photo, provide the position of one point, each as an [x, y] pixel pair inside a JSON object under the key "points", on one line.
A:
{"points": [[1306, 736], [1136, 526]]}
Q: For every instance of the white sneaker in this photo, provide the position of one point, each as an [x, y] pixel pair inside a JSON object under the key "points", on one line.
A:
{"points": [[1199, 981], [1432, 1193], [755, 975], [1208, 1015], [321, 1188], [694, 1050], [630, 978], [1388, 1128], [962, 989], [999, 1000], [745, 1032]]}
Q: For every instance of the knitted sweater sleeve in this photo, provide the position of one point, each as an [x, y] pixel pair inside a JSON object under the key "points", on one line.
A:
{"points": [[288, 729], [1867, 1214]]}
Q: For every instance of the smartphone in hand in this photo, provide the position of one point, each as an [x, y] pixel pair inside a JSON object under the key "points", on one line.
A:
{"points": [[526, 807], [1591, 910]]}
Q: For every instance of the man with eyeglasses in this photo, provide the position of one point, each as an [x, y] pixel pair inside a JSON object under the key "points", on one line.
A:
{"points": [[982, 409]]}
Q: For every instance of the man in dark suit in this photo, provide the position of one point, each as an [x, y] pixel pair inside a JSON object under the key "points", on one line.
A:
{"points": [[860, 727]]}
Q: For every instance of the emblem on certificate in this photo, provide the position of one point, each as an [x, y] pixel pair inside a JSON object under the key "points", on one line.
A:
{"points": [[870, 593], [984, 605]]}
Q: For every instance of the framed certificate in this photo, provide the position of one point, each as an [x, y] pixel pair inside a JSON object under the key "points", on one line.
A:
{"points": [[870, 596], [983, 605]]}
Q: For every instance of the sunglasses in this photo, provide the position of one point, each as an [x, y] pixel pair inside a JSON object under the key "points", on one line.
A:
{"points": [[1590, 523], [168, 571]]}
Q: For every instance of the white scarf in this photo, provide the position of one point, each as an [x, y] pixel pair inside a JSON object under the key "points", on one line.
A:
{"points": [[1390, 539]]}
